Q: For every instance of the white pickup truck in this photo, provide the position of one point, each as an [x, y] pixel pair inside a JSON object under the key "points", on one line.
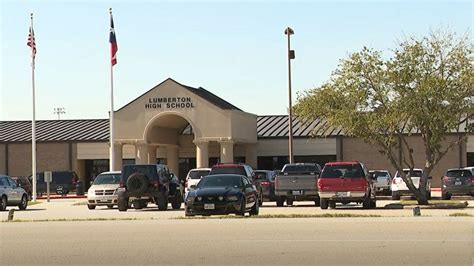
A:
{"points": [[297, 182]]}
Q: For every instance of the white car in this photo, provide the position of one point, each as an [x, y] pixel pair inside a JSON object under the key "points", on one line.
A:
{"points": [[194, 176], [399, 187], [103, 191]]}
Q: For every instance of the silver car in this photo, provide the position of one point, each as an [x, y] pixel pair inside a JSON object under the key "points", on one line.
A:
{"points": [[103, 191], [382, 180], [11, 194]]}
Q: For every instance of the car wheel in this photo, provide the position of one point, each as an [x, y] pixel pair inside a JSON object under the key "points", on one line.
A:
{"points": [[446, 196], [367, 203], [137, 182], [261, 199], [122, 204], [111, 206], [373, 204], [332, 204], [256, 207], [176, 203], [187, 212], [317, 202], [23, 203], [428, 195], [90, 207], [241, 212], [280, 201], [289, 201], [324, 204], [395, 195], [162, 203]]}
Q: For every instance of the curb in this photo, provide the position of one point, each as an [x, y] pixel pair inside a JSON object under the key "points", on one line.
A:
{"points": [[55, 197]]}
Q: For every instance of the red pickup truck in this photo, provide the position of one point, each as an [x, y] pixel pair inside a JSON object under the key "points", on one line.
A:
{"points": [[346, 182]]}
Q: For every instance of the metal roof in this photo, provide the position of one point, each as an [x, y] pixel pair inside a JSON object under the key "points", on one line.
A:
{"points": [[86, 130], [269, 126], [276, 126], [55, 130]]}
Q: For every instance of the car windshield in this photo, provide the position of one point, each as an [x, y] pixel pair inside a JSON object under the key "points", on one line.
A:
{"points": [[107, 179], [458, 173], [301, 168], [198, 174], [220, 181], [228, 170], [148, 170], [415, 173], [380, 173], [261, 175], [343, 170]]}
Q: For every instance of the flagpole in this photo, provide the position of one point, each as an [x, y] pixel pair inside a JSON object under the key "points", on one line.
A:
{"points": [[33, 122], [111, 116]]}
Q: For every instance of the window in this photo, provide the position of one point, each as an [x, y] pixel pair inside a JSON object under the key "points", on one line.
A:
{"points": [[261, 175], [458, 173], [12, 182], [3, 182], [198, 174], [345, 171]]}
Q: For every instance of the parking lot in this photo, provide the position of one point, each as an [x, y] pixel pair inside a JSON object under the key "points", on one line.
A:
{"points": [[75, 208]]}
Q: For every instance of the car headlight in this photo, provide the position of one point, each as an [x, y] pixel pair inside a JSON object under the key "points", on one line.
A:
{"points": [[232, 198], [190, 199], [90, 192], [116, 191], [199, 198]]}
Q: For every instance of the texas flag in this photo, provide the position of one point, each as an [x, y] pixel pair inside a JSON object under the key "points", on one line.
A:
{"points": [[113, 42]]}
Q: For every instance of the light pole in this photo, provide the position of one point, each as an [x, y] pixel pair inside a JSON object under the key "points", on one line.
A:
{"points": [[59, 111], [291, 55]]}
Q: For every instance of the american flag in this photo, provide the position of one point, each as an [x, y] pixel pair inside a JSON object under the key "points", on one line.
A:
{"points": [[31, 42], [113, 42]]}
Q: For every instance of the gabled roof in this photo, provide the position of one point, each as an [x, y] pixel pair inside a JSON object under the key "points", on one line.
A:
{"points": [[201, 92]]}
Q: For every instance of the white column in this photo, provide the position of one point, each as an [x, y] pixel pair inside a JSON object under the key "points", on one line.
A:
{"points": [[172, 159], [141, 153], [151, 157], [227, 151], [202, 153], [117, 157], [251, 155]]}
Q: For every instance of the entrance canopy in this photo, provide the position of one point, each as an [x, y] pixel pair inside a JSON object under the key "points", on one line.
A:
{"points": [[158, 117]]}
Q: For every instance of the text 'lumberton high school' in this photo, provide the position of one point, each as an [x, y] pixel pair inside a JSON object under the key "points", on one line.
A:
{"points": [[169, 102]]}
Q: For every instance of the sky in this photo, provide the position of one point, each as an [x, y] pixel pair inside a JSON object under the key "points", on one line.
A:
{"points": [[235, 49]]}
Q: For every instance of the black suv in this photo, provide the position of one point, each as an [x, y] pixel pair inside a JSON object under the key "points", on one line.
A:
{"points": [[62, 182], [141, 184]]}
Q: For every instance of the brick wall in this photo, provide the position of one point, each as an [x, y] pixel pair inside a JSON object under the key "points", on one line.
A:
{"points": [[3, 167], [356, 149], [49, 156]]}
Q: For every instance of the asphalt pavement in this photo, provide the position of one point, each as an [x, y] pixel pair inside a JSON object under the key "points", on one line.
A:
{"points": [[302, 241]]}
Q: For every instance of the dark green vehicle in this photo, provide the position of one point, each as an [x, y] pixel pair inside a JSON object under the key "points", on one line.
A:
{"points": [[149, 183]]}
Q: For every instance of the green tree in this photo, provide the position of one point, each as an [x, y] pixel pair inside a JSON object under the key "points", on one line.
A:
{"points": [[425, 88]]}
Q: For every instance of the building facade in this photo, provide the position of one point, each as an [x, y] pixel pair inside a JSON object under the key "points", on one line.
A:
{"points": [[186, 127]]}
